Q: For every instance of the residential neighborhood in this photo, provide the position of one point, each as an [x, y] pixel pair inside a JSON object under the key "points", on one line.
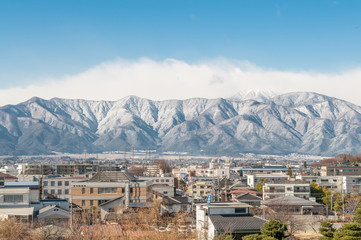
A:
{"points": [[200, 198]]}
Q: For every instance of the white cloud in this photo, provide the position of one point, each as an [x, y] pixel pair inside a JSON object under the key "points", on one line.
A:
{"points": [[174, 79]]}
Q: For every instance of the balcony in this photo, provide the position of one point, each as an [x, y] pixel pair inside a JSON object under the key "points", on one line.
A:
{"points": [[301, 190], [274, 190]]}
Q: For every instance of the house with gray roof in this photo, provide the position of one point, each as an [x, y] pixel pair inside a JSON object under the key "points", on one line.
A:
{"points": [[213, 219], [250, 199], [294, 205]]}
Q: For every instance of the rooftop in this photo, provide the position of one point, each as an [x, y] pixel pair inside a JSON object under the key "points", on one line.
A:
{"points": [[225, 205], [112, 176], [236, 223], [7, 176], [17, 211], [248, 197], [22, 184], [244, 190], [267, 167], [290, 200]]}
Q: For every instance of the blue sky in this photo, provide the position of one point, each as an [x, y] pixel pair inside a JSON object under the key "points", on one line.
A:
{"points": [[52, 39]]}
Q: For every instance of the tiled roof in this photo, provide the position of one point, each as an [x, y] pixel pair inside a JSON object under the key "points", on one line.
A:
{"points": [[112, 176], [175, 200], [7, 176], [44, 209], [249, 197], [244, 190], [290, 200], [236, 222]]}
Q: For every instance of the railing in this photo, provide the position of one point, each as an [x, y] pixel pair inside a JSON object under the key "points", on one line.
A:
{"points": [[273, 191], [302, 190]]}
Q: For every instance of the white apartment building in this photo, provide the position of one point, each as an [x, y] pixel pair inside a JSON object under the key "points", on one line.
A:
{"points": [[295, 188], [163, 185], [19, 200], [200, 188], [252, 180], [341, 184], [160, 180]]}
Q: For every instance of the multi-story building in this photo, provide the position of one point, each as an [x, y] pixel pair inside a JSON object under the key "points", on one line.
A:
{"points": [[295, 188], [265, 170], [253, 179], [37, 169], [75, 169], [199, 188], [106, 186], [59, 186], [340, 170], [160, 180], [153, 170], [341, 184], [19, 200], [179, 172], [163, 185]]}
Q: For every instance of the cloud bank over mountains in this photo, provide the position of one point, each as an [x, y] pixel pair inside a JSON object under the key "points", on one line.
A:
{"points": [[175, 79]]}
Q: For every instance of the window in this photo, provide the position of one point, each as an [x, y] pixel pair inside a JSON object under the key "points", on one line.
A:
{"points": [[91, 202], [60, 192], [66, 183], [123, 190], [46, 191], [13, 198], [83, 191], [83, 202], [45, 183], [107, 190], [131, 190], [60, 183], [91, 190], [167, 180], [101, 201], [240, 210], [66, 191], [52, 183], [52, 191]]}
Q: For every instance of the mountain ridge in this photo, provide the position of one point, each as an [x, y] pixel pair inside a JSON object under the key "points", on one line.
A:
{"points": [[300, 122]]}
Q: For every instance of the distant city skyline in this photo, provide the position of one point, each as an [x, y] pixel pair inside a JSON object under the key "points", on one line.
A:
{"points": [[178, 49]]}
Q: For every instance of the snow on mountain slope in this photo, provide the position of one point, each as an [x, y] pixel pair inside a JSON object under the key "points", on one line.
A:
{"points": [[305, 122], [258, 95]]}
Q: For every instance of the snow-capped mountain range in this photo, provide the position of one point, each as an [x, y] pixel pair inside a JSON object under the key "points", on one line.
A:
{"points": [[255, 122]]}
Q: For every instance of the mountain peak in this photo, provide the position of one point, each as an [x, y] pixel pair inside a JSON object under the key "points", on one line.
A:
{"points": [[253, 94]]}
